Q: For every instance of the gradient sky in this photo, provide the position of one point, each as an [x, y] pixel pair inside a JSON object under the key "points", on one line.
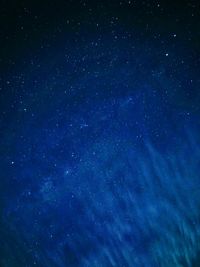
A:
{"points": [[99, 133]]}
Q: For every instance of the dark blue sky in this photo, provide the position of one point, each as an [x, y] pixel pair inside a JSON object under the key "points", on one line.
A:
{"points": [[99, 125]]}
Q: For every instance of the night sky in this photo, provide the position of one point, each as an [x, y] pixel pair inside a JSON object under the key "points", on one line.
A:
{"points": [[99, 133]]}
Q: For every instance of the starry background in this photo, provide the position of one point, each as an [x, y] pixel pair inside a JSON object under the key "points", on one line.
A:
{"points": [[99, 133]]}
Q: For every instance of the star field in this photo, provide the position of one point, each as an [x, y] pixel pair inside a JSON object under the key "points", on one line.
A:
{"points": [[99, 125]]}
